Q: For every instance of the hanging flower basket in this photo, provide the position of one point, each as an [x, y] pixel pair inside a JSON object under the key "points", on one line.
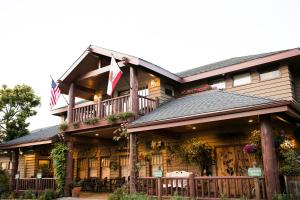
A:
{"points": [[250, 148]]}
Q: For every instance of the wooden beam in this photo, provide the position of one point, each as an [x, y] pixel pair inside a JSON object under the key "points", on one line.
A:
{"points": [[25, 144], [71, 103], [132, 162], [69, 167], [269, 157], [98, 72], [134, 87], [14, 170]]}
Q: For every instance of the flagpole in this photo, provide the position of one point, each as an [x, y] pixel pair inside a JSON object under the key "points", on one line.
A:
{"points": [[61, 94]]}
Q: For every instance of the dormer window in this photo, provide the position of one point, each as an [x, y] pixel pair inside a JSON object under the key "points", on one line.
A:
{"points": [[241, 79], [218, 84], [271, 74]]}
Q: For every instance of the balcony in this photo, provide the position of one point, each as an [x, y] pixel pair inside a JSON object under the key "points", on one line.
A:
{"points": [[106, 108]]}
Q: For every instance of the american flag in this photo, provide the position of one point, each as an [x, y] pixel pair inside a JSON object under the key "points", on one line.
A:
{"points": [[55, 92]]}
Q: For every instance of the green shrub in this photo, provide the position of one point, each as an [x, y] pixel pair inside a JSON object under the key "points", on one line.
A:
{"points": [[28, 195], [7, 195], [48, 195], [286, 197], [118, 193], [4, 180], [63, 126], [75, 125], [91, 121], [178, 197]]}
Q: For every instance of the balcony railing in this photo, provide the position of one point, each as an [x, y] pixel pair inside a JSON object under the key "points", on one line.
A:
{"points": [[34, 184], [207, 187], [112, 106]]}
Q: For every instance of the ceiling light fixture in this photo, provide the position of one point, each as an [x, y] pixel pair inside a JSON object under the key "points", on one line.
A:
{"points": [[194, 128], [97, 134], [250, 120]]}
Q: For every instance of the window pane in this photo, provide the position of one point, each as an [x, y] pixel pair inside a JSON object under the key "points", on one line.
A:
{"points": [[241, 79], [269, 75], [218, 85]]}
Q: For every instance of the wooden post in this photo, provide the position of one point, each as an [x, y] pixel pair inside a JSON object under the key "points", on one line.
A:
{"points": [[156, 102], [159, 188], [257, 188], [69, 167], [71, 103], [132, 162], [134, 100], [14, 169], [269, 157], [192, 185]]}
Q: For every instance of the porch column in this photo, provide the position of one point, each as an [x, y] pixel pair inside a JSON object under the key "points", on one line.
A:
{"points": [[71, 103], [132, 162], [134, 100], [269, 157], [69, 167], [14, 169]]}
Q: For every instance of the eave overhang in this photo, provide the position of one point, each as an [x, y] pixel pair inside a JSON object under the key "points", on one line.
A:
{"points": [[270, 108]]}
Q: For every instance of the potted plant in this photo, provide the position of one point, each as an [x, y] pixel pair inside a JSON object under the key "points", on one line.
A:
{"points": [[76, 186]]}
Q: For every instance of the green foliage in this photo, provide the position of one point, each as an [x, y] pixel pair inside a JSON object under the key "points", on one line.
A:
{"points": [[63, 126], [76, 183], [48, 195], [289, 164], [28, 195], [123, 116], [243, 198], [286, 197], [75, 125], [195, 151], [122, 194], [59, 164], [16, 106], [91, 121], [178, 197], [4, 180]]}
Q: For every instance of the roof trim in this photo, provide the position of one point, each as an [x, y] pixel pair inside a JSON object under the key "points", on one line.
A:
{"points": [[243, 65], [131, 59], [25, 144], [281, 106]]}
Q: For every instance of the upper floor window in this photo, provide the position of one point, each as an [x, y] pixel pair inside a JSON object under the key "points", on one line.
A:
{"points": [[219, 84], [241, 79], [269, 75], [169, 90]]}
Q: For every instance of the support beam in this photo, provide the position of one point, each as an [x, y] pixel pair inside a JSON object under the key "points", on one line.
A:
{"points": [[269, 157], [134, 86], [71, 103], [14, 170], [69, 167], [132, 162]]}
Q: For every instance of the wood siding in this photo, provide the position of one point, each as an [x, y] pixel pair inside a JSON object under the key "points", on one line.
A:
{"points": [[278, 88], [297, 86]]}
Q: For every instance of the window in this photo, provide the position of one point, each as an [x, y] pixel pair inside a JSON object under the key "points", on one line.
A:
{"points": [[241, 79], [143, 91], [124, 164], [156, 163], [93, 167], [269, 75], [219, 84], [105, 169], [169, 90]]}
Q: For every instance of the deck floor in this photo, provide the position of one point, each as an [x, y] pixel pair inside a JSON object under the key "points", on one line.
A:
{"points": [[88, 195]]}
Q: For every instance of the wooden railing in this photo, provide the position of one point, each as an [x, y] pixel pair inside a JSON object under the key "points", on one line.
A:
{"points": [[292, 184], [213, 187], [108, 107], [34, 184]]}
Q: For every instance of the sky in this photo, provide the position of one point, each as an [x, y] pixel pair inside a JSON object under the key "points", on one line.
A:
{"points": [[39, 38]]}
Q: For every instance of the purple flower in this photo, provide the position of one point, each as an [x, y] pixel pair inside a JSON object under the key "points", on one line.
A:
{"points": [[249, 148]]}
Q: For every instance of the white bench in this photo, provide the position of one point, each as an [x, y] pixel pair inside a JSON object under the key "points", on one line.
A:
{"points": [[177, 174]]}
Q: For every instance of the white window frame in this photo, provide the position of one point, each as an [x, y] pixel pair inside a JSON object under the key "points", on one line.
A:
{"points": [[268, 75], [242, 79], [218, 84]]}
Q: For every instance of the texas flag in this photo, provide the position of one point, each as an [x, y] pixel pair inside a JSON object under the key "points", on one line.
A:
{"points": [[114, 76]]}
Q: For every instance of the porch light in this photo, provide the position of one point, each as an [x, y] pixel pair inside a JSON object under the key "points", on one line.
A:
{"points": [[97, 134], [194, 127], [250, 120]]}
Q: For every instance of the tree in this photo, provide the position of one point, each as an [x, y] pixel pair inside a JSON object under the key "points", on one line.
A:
{"points": [[17, 104]]}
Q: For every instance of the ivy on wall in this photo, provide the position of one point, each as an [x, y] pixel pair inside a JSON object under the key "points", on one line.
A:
{"points": [[58, 154]]}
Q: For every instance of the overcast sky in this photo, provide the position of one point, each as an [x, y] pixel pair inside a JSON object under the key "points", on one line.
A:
{"points": [[39, 38]]}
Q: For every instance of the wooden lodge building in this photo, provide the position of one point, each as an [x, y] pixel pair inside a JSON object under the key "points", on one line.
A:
{"points": [[221, 104]]}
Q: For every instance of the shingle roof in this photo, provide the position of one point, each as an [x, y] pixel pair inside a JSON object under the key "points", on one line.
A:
{"points": [[224, 63], [34, 136], [201, 103]]}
